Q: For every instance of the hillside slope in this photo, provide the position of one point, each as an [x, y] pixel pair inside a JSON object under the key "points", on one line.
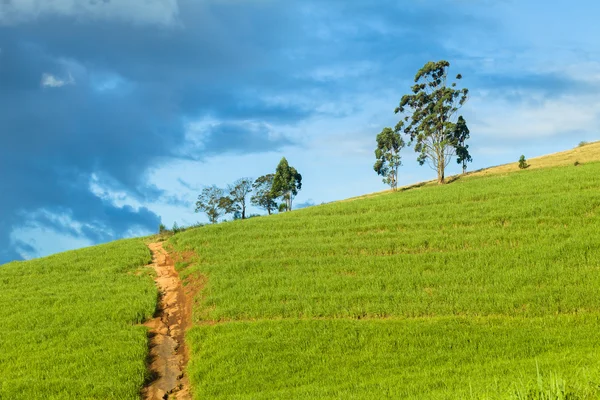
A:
{"points": [[585, 153], [69, 327], [484, 288], [466, 290]]}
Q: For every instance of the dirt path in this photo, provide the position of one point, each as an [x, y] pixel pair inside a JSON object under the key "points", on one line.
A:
{"points": [[168, 355]]}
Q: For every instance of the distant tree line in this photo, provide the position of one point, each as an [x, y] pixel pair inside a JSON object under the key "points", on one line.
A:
{"points": [[271, 192], [162, 229]]}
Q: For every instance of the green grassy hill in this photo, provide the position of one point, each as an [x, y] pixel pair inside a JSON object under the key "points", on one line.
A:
{"points": [[69, 324], [485, 288]]}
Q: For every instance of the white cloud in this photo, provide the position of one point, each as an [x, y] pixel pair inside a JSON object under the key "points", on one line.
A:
{"points": [[586, 71], [117, 198], [537, 118], [162, 12], [49, 80], [198, 131]]}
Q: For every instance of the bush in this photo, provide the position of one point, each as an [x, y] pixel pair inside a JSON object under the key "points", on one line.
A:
{"points": [[162, 228], [176, 228], [523, 163], [577, 163], [581, 144]]}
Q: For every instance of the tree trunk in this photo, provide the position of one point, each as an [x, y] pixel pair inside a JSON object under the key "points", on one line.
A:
{"points": [[289, 201], [441, 178], [441, 161]]}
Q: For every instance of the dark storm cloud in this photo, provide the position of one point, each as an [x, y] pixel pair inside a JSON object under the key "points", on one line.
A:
{"points": [[55, 138], [241, 138]]}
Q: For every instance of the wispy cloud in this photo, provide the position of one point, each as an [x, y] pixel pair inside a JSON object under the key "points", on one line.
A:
{"points": [[209, 136], [538, 118], [163, 12], [49, 80]]}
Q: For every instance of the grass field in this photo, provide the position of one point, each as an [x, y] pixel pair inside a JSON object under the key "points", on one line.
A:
{"points": [[485, 288], [68, 325], [434, 358]]}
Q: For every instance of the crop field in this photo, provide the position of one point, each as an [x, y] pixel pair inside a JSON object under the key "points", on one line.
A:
{"points": [[484, 288], [68, 328]]}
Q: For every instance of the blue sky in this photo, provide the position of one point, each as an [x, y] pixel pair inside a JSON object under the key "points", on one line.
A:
{"points": [[115, 114]]}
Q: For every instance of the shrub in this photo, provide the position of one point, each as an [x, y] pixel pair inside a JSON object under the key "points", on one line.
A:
{"points": [[583, 143], [523, 163], [577, 163], [162, 228], [176, 228]]}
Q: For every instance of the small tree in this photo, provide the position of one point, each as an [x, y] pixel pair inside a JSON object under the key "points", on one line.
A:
{"points": [[286, 183], [523, 163], [461, 134], [162, 228], [263, 197], [214, 203], [389, 144], [238, 193], [429, 112]]}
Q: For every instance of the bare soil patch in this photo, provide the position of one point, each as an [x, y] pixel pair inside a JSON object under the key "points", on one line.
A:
{"points": [[168, 353]]}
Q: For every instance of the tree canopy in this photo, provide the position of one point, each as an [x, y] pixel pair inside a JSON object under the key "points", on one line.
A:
{"points": [[462, 150], [214, 203], [263, 197], [238, 193], [389, 144], [286, 183], [428, 115]]}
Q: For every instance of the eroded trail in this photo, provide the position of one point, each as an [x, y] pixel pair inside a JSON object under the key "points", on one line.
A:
{"points": [[167, 347]]}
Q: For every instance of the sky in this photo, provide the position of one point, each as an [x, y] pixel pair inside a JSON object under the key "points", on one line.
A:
{"points": [[115, 114]]}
